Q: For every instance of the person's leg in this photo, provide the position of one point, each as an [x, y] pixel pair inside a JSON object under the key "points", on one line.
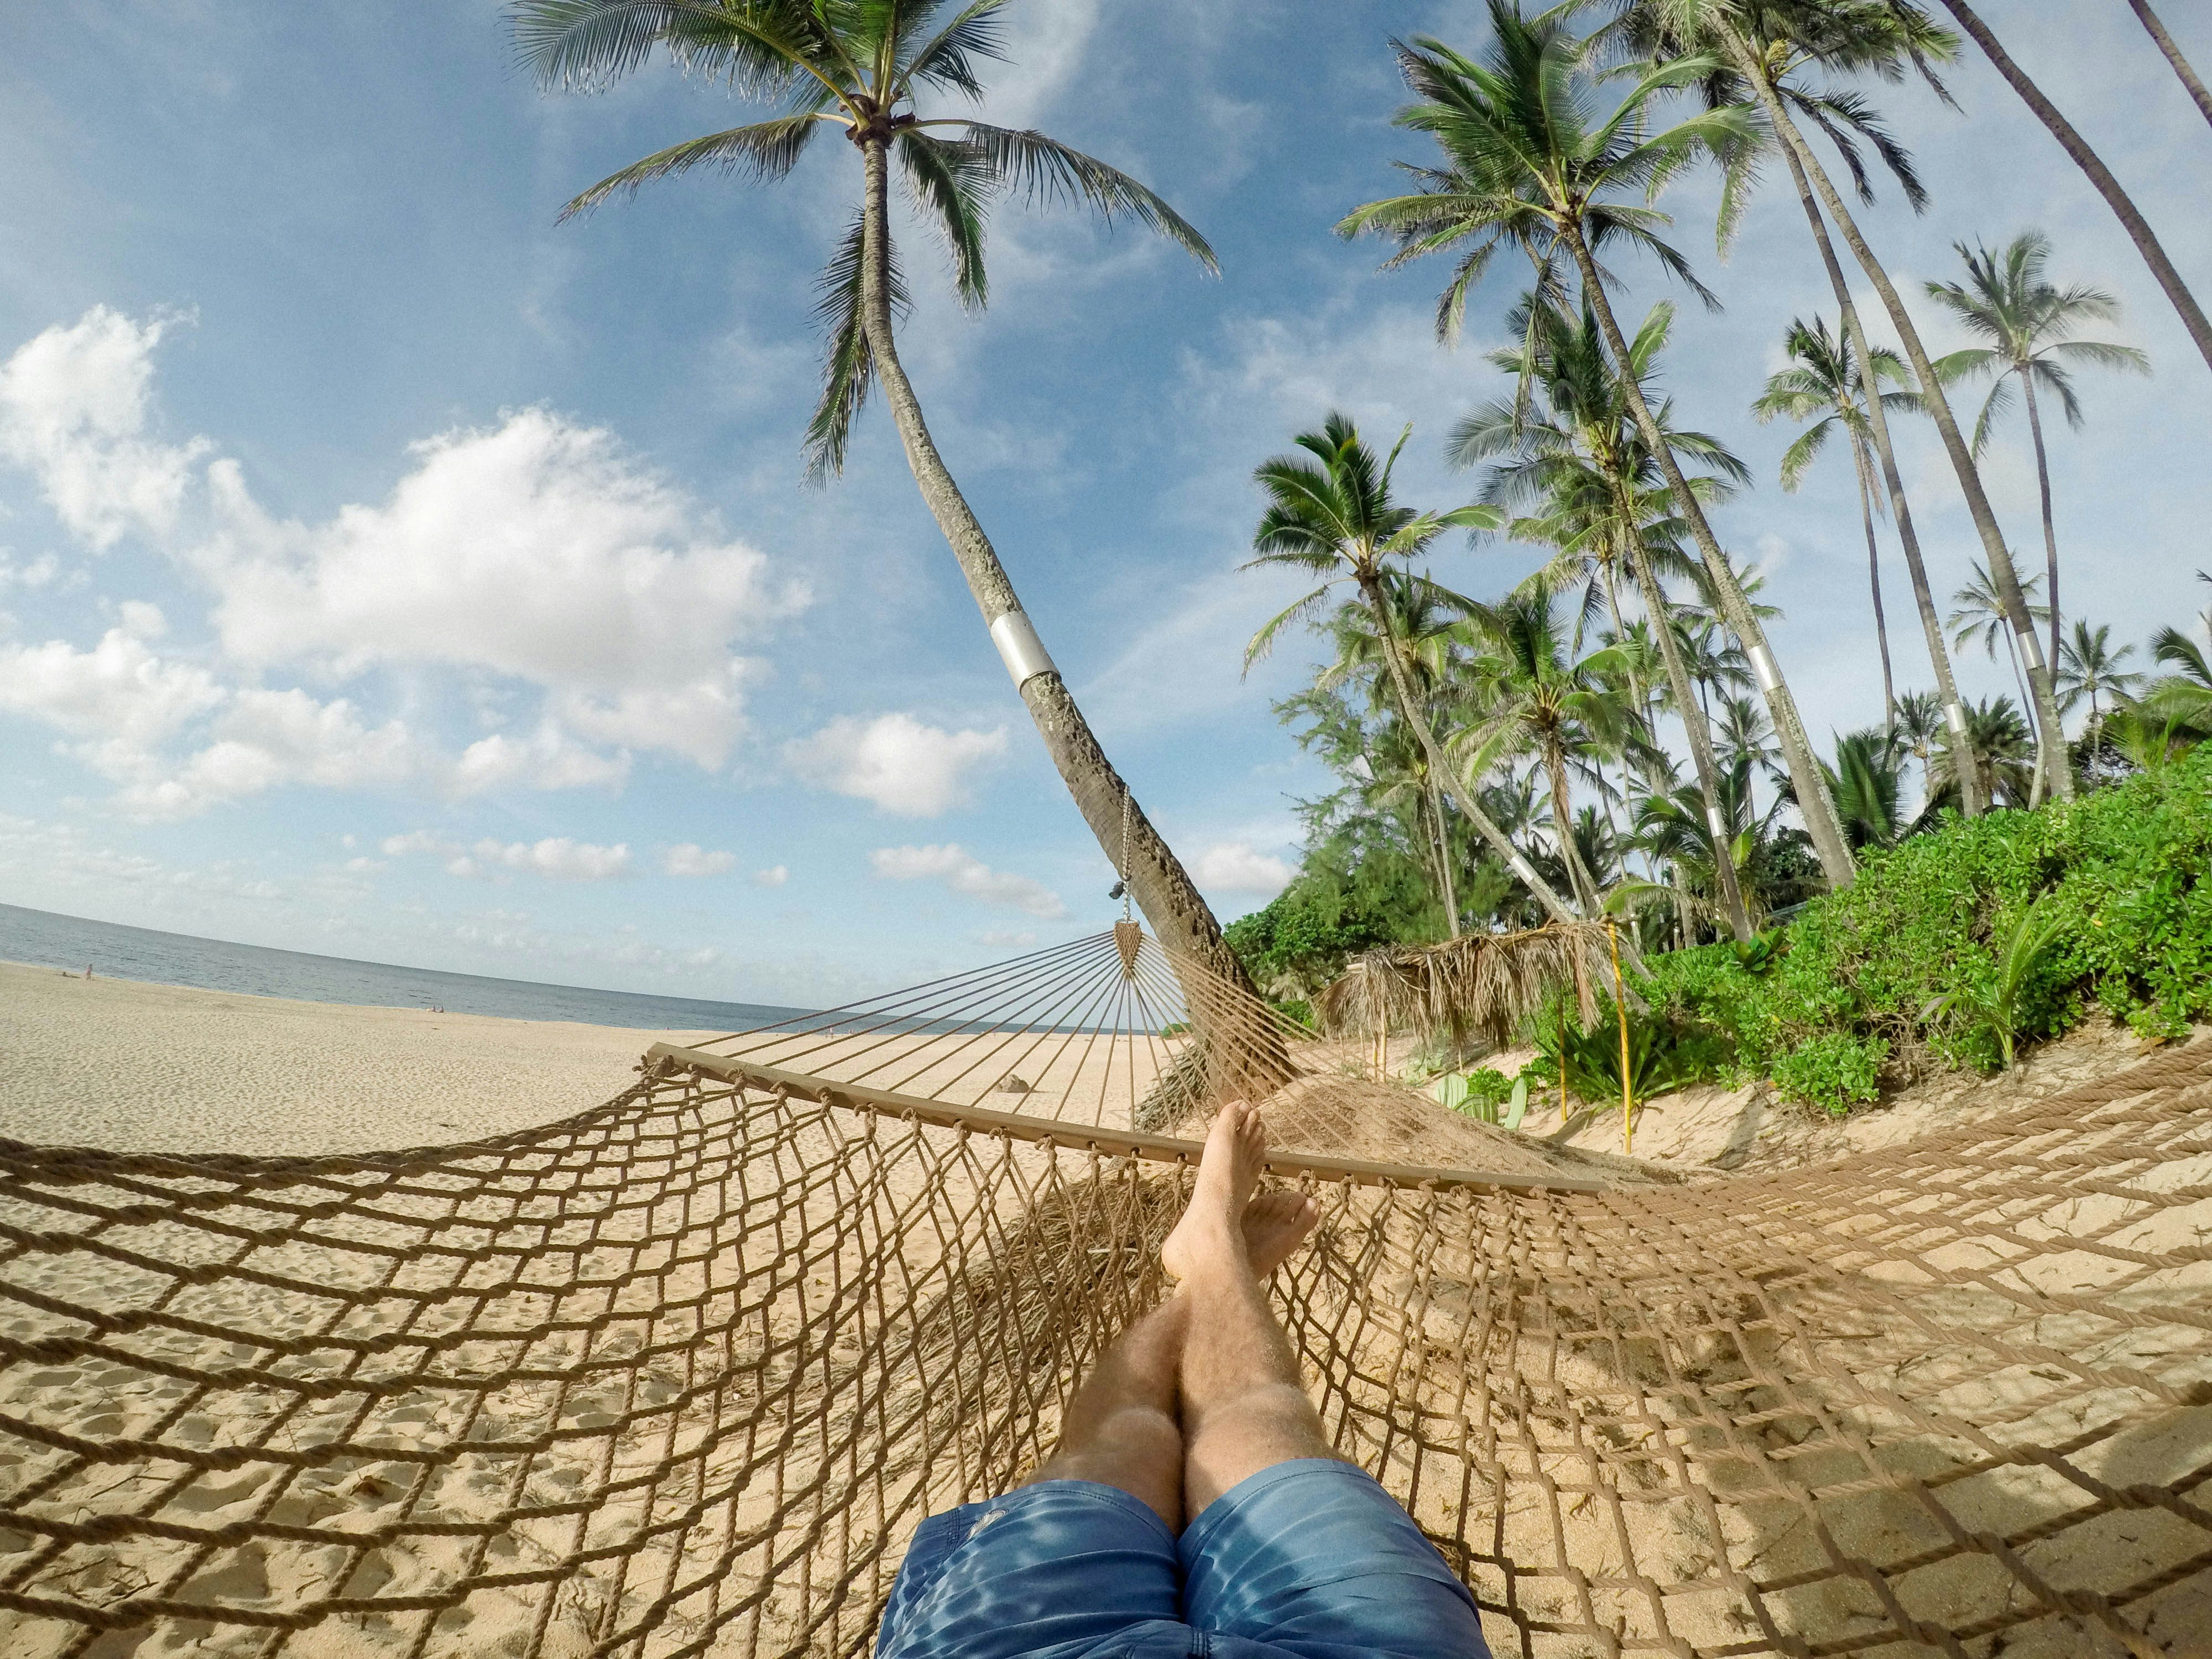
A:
{"points": [[1286, 1543], [1120, 1429], [1244, 1407], [1123, 1427]]}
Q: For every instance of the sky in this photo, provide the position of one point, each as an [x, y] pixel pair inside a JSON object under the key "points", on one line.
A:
{"points": [[390, 572]]}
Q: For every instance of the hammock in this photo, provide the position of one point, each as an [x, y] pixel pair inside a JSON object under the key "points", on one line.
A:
{"points": [[682, 1374]]}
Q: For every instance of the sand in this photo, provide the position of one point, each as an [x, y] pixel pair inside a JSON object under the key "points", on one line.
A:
{"points": [[130, 1067]]}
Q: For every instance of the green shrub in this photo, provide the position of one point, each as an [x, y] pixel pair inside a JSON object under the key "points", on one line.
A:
{"points": [[1831, 1071], [1891, 968]]}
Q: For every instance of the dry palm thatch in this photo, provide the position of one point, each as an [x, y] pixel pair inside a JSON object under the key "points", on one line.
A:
{"points": [[1485, 985]]}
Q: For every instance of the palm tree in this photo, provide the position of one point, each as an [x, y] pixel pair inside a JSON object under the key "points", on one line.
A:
{"points": [[1999, 747], [1762, 48], [1538, 700], [2186, 693], [1981, 614], [2122, 204], [1919, 722], [1869, 787], [2007, 301], [1721, 25], [2089, 668], [1330, 514], [1527, 163], [2198, 94], [1583, 461], [1826, 388], [866, 71], [1744, 734], [1433, 639]]}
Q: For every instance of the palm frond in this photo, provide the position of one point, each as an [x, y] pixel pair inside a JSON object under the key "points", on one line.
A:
{"points": [[1045, 170], [765, 150], [951, 190], [847, 365]]}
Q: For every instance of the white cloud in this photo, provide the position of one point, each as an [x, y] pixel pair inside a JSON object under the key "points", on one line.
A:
{"points": [[535, 551], [39, 573], [557, 857], [690, 859], [120, 697], [964, 872], [903, 766], [775, 876], [1237, 867], [74, 406], [1002, 938]]}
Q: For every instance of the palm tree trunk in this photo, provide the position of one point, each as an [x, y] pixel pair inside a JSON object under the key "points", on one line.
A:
{"points": [[1158, 881], [1562, 822], [1462, 798], [1443, 857], [2150, 19], [2051, 752], [1874, 576], [1923, 595], [1700, 733], [2122, 206], [1818, 809], [2049, 535]]}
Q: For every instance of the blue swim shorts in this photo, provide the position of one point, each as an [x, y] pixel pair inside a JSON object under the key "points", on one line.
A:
{"points": [[1308, 1559]]}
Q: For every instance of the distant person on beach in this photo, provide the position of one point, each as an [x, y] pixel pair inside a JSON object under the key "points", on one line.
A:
{"points": [[1193, 1506]]}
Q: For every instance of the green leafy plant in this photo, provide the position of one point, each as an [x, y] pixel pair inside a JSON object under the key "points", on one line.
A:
{"points": [[1662, 1057], [1997, 1001], [1479, 1093], [1832, 1070]]}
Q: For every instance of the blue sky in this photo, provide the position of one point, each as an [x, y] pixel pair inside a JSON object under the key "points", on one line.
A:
{"points": [[391, 573]]}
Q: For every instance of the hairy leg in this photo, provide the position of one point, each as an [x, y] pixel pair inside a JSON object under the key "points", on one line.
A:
{"points": [[1123, 1427], [1243, 1408]]}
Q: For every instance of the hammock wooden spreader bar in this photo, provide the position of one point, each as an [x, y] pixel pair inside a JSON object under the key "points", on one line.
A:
{"points": [[663, 1058]]}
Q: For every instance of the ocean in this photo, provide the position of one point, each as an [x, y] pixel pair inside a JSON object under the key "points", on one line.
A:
{"points": [[46, 939]]}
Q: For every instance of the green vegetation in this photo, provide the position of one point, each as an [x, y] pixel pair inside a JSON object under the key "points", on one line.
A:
{"points": [[1958, 946]]}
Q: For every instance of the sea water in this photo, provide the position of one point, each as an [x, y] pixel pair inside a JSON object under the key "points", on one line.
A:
{"points": [[46, 939]]}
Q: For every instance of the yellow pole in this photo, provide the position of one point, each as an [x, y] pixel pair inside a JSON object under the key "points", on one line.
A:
{"points": [[1620, 1007]]}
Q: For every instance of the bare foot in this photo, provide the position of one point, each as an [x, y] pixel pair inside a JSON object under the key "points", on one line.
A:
{"points": [[1210, 1233], [1275, 1224]]}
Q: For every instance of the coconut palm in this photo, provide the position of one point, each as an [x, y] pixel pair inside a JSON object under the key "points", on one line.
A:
{"points": [[1920, 724], [1742, 33], [1869, 780], [2089, 668], [1744, 734], [1980, 615], [2007, 301], [1763, 51], [890, 76], [1538, 700], [2150, 19], [1433, 635], [2186, 693], [1826, 388], [1568, 447], [2001, 748], [1330, 514], [2076, 147], [1528, 163]]}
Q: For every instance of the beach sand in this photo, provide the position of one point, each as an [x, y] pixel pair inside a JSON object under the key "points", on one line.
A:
{"points": [[136, 1067]]}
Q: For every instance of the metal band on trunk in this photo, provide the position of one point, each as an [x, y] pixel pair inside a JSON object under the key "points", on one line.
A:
{"points": [[1019, 648]]}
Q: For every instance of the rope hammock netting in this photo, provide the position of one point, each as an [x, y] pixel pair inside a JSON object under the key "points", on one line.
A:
{"points": [[682, 1374]]}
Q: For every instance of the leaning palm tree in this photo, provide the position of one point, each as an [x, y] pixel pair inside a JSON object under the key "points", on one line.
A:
{"points": [[2007, 301], [1537, 699], [2117, 199], [1980, 615], [2089, 668], [1763, 48], [1742, 33], [872, 72], [1826, 388], [1568, 446], [1329, 515], [2189, 79], [1527, 163]]}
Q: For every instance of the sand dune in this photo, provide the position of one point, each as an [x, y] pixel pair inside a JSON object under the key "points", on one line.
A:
{"points": [[136, 1067]]}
